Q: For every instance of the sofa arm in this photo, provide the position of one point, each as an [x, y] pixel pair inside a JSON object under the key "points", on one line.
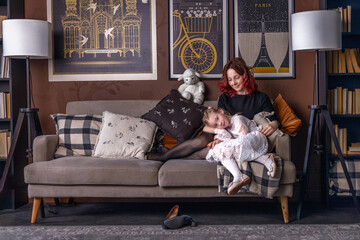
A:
{"points": [[283, 147], [44, 147]]}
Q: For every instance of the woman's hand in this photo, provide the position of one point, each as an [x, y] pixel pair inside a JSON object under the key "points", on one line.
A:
{"points": [[213, 143], [270, 128]]}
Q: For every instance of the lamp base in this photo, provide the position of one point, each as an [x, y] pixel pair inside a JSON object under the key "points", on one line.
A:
{"points": [[316, 110], [34, 129]]}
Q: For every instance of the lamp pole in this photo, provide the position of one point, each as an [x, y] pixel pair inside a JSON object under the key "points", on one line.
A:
{"points": [[318, 30]]}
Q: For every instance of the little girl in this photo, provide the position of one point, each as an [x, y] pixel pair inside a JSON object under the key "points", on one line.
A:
{"points": [[237, 139]]}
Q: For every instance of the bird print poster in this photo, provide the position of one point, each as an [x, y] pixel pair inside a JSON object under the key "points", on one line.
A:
{"points": [[261, 36], [99, 40]]}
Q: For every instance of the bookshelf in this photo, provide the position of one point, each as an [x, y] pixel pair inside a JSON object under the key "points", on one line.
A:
{"points": [[15, 193], [344, 116]]}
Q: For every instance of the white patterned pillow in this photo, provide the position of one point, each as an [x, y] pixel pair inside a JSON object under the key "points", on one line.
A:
{"points": [[123, 136], [77, 134]]}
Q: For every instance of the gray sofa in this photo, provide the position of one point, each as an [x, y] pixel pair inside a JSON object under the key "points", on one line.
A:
{"points": [[90, 177]]}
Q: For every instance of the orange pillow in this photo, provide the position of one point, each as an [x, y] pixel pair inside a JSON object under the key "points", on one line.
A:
{"points": [[169, 142], [290, 123]]}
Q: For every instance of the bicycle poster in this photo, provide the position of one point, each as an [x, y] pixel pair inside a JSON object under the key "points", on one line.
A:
{"points": [[103, 40], [262, 39], [198, 37]]}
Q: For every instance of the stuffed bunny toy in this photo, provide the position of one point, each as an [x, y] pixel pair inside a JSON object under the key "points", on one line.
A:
{"points": [[192, 88]]}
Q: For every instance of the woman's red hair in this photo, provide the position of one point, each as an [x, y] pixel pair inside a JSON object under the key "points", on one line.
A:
{"points": [[239, 65]]}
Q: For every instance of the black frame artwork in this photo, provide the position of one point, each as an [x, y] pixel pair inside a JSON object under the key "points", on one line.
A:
{"points": [[262, 37], [198, 34]]}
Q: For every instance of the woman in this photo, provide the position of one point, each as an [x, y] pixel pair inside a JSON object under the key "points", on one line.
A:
{"points": [[239, 95]]}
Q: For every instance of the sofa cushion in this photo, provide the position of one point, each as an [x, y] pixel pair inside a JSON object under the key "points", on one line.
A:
{"points": [[176, 116], [187, 173], [290, 123], [122, 136], [200, 173], [77, 134], [93, 171]]}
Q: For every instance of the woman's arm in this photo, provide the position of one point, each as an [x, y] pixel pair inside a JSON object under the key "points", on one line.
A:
{"points": [[270, 128]]}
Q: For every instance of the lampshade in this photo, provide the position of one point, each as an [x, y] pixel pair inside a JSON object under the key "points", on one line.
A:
{"points": [[26, 38], [316, 30]]}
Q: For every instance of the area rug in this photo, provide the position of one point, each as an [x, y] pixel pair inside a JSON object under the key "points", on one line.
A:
{"points": [[289, 231]]}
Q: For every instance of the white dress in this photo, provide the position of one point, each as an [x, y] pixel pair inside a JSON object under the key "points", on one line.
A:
{"points": [[241, 144]]}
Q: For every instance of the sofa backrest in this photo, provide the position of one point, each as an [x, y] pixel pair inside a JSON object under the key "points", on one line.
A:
{"points": [[134, 108]]}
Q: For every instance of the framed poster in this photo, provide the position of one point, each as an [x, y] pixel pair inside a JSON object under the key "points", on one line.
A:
{"points": [[97, 40], [198, 37], [262, 39]]}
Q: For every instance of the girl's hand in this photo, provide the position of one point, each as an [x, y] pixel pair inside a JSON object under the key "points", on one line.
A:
{"points": [[213, 143], [270, 128]]}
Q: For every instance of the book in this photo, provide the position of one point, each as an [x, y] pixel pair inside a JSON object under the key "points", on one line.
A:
{"points": [[8, 110], [349, 103], [330, 62], [343, 62], [357, 100], [353, 153], [2, 18], [332, 147], [339, 100], [341, 139], [335, 61], [335, 106], [355, 144], [344, 142], [354, 60], [354, 149], [2, 105], [353, 103], [345, 19], [349, 65], [4, 143], [344, 101], [348, 18]]}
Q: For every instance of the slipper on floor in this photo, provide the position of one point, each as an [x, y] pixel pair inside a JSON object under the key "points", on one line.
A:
{"points": [[178, 222], [173, 212]]}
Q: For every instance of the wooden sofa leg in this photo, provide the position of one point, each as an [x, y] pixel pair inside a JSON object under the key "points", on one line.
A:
{"points": [[35, 210], [285, 208]]}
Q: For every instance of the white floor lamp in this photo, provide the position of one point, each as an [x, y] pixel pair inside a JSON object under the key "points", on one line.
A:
{"points": [[318, 31], [26, 39]]}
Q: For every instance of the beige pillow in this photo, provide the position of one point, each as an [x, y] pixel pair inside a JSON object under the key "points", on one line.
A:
{"points": [[123, 136], [262, 118]]}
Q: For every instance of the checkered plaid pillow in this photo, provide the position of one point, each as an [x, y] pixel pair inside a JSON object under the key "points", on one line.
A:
{"points": [[77, 134]]}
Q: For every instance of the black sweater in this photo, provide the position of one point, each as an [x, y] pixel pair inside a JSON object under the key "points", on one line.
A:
{"points": [[246, 105]]}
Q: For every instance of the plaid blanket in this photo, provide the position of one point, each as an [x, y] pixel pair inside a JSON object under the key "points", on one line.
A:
{"points": [[260, 184], [337, 181]]}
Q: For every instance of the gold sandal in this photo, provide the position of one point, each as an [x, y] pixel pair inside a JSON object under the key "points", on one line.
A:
{"points": [[234, 187]]}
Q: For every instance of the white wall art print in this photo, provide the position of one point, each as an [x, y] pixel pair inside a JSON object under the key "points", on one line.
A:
{"points": [[262, 37]]}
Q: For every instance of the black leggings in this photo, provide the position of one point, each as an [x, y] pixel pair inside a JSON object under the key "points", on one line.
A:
{"points": [[194, 148]]}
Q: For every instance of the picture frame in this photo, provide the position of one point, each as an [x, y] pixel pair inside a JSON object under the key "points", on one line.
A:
{"points": [[262, 39], [198, 34], [93, 41]]}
